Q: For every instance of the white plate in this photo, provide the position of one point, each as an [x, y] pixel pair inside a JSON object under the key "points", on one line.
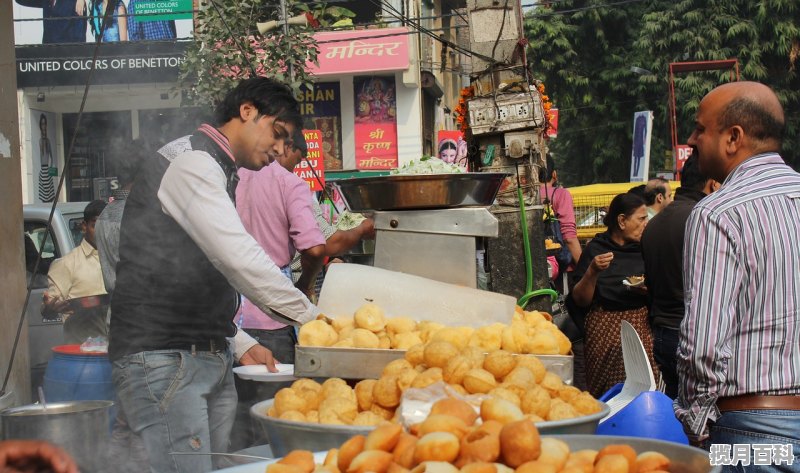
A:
{"points": [[627, 283], [260, 373], [261, 467]]}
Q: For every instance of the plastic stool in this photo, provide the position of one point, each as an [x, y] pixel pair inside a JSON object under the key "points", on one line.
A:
{"points": [[649, 415]]}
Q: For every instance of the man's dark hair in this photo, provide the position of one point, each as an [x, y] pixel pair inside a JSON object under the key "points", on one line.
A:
{"points": [[270, 98], [651, 191], [754, 118], [691, 177], [623, 204], [93, 210], [551, 165], [299, 142]]}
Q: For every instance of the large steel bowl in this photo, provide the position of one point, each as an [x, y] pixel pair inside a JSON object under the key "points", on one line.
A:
{"points": [[420, 191], [285, 436], [577, 425], [683, 458]]}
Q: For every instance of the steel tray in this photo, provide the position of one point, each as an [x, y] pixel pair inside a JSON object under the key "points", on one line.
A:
{"points": [[420, 191], [365, 363]]}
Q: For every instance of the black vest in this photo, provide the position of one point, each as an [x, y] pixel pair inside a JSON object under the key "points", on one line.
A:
{"points": [[168, 294]]}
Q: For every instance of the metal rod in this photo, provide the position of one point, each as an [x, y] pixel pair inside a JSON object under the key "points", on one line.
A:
{"points": [[240, 455]]}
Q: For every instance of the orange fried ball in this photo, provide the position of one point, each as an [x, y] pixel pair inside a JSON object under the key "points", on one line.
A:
{"points": [[437, 446], [519, 443], [455, 407]]}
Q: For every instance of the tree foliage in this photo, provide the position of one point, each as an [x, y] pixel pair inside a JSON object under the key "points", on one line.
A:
{"points": [[228, 48], [584, 52]]}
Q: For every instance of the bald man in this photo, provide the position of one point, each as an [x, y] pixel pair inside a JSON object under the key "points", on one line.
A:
{"points": [[739, 350]]}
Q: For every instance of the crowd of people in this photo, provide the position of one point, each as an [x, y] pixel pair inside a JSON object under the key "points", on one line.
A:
{"points": [[719, 314], [212, 222]]}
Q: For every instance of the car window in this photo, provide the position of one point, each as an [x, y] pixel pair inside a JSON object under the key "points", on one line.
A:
{"points": [[37, 237], [75, 230]]}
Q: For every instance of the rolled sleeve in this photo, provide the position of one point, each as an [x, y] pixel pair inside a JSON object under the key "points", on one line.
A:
{"points": [[193, 193]]}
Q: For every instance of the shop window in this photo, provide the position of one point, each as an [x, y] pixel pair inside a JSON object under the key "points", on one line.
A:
{"points": [[100, 135]]}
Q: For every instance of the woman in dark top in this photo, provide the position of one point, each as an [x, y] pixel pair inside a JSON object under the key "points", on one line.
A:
{"points": [[599, 293]]}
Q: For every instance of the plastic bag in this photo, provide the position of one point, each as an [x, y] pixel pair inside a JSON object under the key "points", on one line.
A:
{"points": [[95, 345], [416, 403]]}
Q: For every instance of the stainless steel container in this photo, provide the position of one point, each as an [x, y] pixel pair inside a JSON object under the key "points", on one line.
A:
{"points": [[366, 363], [420, 191], [579, 425], [79, 427], [683, 458], [285, 436]]}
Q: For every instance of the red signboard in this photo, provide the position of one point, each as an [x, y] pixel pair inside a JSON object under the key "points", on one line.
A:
{"points": [[314, 159], [376, 145], [341, 52], [552, 130], [682, 153]]}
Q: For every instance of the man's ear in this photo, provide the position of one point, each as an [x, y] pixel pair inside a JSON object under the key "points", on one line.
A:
{"points": [[247, 111], [735, 140]]}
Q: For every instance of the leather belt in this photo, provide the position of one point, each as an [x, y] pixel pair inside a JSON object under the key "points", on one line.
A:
{"points": [[747, 402], [213, 346]]}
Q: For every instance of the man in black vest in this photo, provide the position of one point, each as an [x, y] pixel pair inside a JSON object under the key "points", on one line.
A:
{"points": [[184, 258]]}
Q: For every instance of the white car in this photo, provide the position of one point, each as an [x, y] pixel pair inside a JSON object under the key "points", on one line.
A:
{"points": [[65, 234]]}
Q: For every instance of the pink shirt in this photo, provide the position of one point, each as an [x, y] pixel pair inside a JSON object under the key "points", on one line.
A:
{"points": [[562, 204], [275, 207]]}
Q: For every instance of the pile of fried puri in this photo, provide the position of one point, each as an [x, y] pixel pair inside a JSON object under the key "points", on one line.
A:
{"points": [[521, 382], [450, 440], [529, 332]]}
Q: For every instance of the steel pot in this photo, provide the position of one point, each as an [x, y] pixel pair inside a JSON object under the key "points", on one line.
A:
{"points": [[79, 427]]}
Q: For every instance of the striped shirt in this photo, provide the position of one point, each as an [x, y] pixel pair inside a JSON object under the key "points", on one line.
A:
{"points": [[741, 333]]}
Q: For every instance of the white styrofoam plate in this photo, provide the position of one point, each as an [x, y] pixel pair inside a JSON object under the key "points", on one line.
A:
{"points": [[260, 373]]}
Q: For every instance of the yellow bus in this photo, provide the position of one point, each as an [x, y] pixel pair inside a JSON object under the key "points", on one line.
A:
{"points": [[591, 203]]}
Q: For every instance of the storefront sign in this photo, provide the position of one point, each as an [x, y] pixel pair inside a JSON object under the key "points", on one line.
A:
{"points": [[682, 153], [162, 9], [375, 122], [314, 162], [342, 52], [116, 63], [321, 110]]}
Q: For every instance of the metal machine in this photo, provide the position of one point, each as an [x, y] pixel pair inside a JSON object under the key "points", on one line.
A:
{"points": [[428, 225]]}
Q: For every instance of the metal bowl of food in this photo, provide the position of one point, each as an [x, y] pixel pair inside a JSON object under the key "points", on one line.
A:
{"points": [[577, 425], [420, 191], [285, 435], [683, 458]]}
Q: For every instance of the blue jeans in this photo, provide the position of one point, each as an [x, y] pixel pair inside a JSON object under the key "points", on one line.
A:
{"points": [[178, 402], [665, 352], [759, 427]]}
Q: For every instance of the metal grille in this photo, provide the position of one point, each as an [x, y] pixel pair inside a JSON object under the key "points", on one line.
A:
{"points": [[589, 213]]}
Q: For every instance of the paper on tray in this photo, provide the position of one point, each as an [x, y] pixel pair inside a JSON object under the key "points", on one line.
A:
{"points": [[349, 286]]}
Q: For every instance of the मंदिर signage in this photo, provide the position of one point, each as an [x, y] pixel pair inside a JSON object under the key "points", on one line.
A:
{"points": [[161, 10], [315, 159], [383, 49]]}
